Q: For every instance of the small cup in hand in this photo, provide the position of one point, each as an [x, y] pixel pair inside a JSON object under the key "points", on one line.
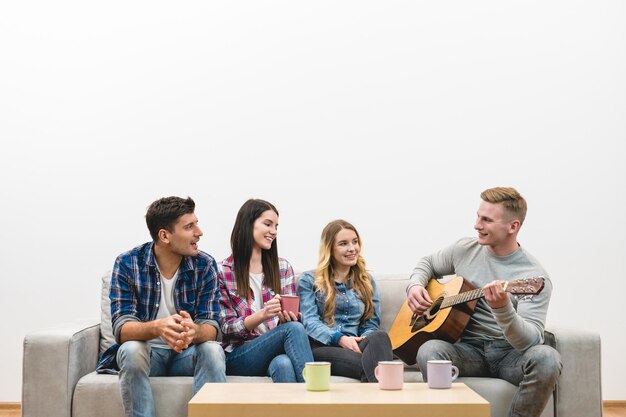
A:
{"points": [[290, 303]]}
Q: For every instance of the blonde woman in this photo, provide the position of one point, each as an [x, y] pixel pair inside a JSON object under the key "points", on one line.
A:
{"points": [[340, 307]]}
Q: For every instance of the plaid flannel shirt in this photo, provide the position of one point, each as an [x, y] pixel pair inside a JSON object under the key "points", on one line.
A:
{"points": [[136, 292], [233, 309]]}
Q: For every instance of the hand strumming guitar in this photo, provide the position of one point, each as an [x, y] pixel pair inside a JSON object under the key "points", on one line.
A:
{"points": [[418, 299]]}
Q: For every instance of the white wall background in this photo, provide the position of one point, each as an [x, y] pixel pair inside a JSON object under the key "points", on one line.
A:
{"points": [[393, 115]]}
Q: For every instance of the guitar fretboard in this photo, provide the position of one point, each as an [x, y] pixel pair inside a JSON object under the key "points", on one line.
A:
{"points": [[464, 297], [520, 286]]}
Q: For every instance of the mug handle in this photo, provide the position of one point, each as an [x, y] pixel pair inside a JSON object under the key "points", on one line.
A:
{"points": [[304, 374], [455, 373], [376, 372]]}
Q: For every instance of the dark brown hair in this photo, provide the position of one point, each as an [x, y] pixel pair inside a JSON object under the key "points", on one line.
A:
{"points": [[242, 242], [164, 213]]}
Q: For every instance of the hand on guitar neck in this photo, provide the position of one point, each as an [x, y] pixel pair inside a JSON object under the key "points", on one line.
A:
{"points": [[495, 294], [419, 300]]}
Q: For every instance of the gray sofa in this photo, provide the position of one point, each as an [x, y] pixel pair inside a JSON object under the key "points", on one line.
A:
{"points": [[59, 376]]}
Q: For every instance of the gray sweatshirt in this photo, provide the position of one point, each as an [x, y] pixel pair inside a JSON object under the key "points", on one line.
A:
{"points": [[522, 321]]}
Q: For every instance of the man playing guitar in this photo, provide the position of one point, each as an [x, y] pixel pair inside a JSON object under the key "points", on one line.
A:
{"points": [[504, 336]]}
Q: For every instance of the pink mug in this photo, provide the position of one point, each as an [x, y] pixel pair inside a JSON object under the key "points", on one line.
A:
{"points": [[290, 303], [390, 375]]}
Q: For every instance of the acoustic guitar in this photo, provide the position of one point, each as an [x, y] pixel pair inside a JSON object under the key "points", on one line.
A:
{"points": [[453, 304]]}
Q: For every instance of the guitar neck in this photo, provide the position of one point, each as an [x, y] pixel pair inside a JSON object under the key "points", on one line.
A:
{"points": [[524, 286], [463, 297]]}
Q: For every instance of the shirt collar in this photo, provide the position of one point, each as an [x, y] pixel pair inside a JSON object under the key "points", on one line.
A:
{"points": [[348, 284], [229, 262], [185, 265]]}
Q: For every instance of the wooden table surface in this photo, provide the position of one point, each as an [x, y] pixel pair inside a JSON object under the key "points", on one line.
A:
{"points": [[343, 399]]}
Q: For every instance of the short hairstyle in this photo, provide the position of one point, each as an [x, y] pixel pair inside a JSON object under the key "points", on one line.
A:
{"points": [[242, 242], [512, 201], [164, 213]]}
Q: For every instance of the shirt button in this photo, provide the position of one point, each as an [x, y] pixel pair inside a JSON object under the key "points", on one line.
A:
{"points": [[157, 304], [158, 282]]}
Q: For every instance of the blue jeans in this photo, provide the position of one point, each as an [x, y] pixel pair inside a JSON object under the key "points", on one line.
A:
{"points": [[534, 371], [280, 353], [138, 361]]}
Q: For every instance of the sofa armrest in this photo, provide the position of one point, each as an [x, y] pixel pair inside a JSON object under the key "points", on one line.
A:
{"points": [[579, 389], [54, 361]]}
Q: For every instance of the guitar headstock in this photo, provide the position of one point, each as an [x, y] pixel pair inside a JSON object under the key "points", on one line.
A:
{"points": [[525, 286]]}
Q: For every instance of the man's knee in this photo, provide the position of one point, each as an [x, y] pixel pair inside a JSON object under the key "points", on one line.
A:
{"points": [[134, 354], [432, 349], [210, 352], [546, 361]]}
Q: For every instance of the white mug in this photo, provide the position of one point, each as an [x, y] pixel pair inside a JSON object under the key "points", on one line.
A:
{"points": [[441, 373]]}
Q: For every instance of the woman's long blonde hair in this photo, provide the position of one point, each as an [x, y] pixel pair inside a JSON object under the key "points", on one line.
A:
{"points": [[361, 281]]}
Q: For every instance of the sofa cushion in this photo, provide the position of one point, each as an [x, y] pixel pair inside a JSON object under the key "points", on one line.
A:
{"points": [[106, 329], [392, 290]]}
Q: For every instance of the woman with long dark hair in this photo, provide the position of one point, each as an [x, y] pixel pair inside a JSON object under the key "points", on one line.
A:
{"points": [[340, 307], [258, 338]]}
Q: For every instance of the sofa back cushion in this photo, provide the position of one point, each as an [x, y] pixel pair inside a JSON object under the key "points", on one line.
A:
{"points": [[106, 329], [392, 290]]}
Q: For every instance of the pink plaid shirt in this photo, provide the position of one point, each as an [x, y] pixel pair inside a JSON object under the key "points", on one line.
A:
{"points": [[233, 309]]}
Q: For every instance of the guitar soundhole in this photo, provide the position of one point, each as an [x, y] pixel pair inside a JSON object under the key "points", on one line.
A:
{"points": [[434, 309], [418, 322]]}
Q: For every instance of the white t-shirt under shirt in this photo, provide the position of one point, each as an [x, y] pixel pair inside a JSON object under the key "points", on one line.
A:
{"points": [[256, 284], [166, 307]]}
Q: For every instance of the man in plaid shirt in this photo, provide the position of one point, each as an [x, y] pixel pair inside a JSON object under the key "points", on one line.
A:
{"points": [[164, 308]]}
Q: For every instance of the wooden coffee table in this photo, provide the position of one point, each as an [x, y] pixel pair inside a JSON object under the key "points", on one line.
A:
{"points": [[343, 399]]}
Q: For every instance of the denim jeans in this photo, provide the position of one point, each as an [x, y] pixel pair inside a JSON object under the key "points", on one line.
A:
{"points": [[345, 362], [280, 353], [534, 371], [138, 361]]}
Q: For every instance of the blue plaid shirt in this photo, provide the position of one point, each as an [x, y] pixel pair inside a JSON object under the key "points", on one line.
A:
{"points": [[136, 293]]}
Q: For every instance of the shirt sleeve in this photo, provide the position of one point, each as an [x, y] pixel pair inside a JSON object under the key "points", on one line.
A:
{"points": [[311, 320], [231, 323], [435, 265], [208, 306], [123, 297], [374, 322], [523, 324], [288, 278]]}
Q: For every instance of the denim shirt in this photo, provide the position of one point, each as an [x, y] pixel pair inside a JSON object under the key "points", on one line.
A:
{"points": [[348, 311]]}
